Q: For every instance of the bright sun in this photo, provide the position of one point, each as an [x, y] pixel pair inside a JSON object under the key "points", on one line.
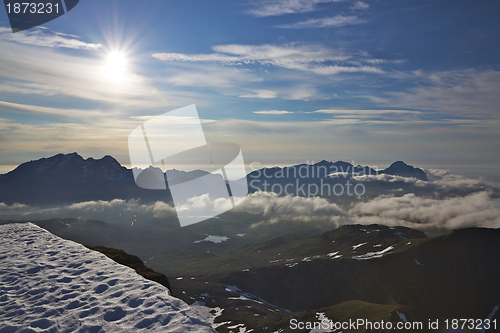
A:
{"points": [[116, 65]]}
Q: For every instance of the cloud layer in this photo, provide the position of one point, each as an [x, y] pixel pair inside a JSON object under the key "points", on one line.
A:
{"points": [[474, 210], [291, 209], [477, 206]]}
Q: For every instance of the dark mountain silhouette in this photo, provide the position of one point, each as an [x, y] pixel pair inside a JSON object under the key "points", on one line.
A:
{"points": [[402, 169], [69, 178], [310, 171], [324, 168], [323, 177]]}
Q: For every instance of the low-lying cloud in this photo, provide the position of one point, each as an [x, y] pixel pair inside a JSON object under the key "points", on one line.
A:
{"points": [[465, 203], [438, 180], [474, 210], [276, 209], [116, 211]]}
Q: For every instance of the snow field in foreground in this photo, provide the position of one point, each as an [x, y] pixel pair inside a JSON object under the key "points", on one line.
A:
{"points": [[48, 284]]}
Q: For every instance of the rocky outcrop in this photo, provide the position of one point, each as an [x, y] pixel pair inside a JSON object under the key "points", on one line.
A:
{"points": [[134, 262]]}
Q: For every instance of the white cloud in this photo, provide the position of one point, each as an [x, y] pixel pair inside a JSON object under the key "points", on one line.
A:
{"points": [[438, 180], [332, 70], [360, 5], [203, 205], [336, 21], [279, 7], [474, 210], [215, 57], [46, 38], [272, 112], [386, 61], [386, 178], [447, 181], [264, 94], [288, 56], [14, 207], [291, 209]]}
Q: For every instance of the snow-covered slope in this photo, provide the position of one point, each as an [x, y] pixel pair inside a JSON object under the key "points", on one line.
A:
{"points": [[48, 284]]}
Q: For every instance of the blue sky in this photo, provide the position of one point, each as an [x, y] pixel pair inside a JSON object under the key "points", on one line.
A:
{"points": [[290, 81]]}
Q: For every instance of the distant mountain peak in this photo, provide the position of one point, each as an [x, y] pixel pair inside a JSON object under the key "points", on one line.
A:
{"points": [[111, 160], [398, 164], [400, 168]]}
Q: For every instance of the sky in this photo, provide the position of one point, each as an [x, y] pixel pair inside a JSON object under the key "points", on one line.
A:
{"points": [[289, 81]]}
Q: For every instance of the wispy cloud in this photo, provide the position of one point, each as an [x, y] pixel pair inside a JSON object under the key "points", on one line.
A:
{"points": [[46, 38], [460, 92], [365, 112], [332, 70], [216, 58], [328, 22], [28, 89], [280, 7], [312, 58], [50, 111], [272, 112], [31, 70], [386, 61]]}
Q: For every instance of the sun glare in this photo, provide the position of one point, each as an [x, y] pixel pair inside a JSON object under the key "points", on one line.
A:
{"points": [[116, 65]]}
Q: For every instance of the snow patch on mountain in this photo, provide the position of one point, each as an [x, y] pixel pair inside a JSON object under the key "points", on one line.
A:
{"points": [[54, 285]]}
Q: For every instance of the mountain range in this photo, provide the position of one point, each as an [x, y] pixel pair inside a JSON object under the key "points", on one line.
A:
{"points": [[68, 178]]}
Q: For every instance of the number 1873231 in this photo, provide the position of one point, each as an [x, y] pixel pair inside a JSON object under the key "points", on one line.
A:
{"points": [[32, 8]]}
